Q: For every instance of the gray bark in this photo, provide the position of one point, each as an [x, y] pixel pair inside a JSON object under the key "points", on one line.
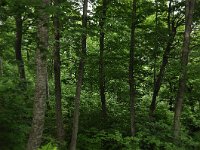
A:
{"points": [[183, 71], [35, 136]]}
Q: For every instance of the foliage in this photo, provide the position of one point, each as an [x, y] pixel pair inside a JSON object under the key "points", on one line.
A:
{"points": [[48, 146], [15, 114], [16, 101]]}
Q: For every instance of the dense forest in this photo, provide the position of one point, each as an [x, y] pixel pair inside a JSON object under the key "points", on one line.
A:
{"points": [[99, 74]]}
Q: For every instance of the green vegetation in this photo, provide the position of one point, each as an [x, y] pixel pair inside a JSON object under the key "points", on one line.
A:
{"points": [[86, 52]]}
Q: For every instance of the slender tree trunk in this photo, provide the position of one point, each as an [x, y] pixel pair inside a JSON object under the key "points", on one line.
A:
{"points": [[183, 71], [158, 81], [101, 60], [79, 79], [35, 136], [47, 92], [18, 43], [27, 55], [156, 44], [57, 63], [171, 89], [1, 67], [131, 69]]}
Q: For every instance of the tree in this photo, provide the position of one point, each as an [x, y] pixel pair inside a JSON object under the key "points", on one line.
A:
{"points": [[134, 42], [189, 8], [156, 43], [172, 27], [57, 83], [79, 78], [101, 59], [18, 45], [35, 136], [131, 69]]}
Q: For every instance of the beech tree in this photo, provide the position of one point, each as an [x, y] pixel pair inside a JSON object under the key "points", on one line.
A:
{"points": [[37, 128], [189, 8], [100, 64]]}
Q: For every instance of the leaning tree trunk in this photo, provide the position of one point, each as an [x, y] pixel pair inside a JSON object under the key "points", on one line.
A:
{"points": [[35, 136], [79, 79], [183, 71], [131, 69], [57, 63], [18, 44], [101, 60], [158, 80]]}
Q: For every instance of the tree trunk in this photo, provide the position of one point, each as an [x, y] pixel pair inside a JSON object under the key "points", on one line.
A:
{"points": [[18, 44], [47, 92], [35, 136], [156, 44], [131, 69], [1, 67], [79, 79], [57, 63], [183, 71], [101, 60], [158, 81], [171, 90]]}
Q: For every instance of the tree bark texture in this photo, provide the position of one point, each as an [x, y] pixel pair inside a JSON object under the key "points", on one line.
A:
{"points": [[131, 69], [183, 72], [57, 63], [79, 79], [158, 81], [47, 91], [101, 60], [18, 45], [35, 136]]}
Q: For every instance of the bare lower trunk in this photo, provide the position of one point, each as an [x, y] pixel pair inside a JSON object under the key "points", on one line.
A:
{"points": [[18, 44], [77, 106], [131, 70], [101, 61], [57, 63], [47, 92], [79, 79], [35, 136], [183, 71]]}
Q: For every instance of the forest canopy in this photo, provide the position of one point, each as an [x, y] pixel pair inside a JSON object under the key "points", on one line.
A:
{"points": [[99, 74]]}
